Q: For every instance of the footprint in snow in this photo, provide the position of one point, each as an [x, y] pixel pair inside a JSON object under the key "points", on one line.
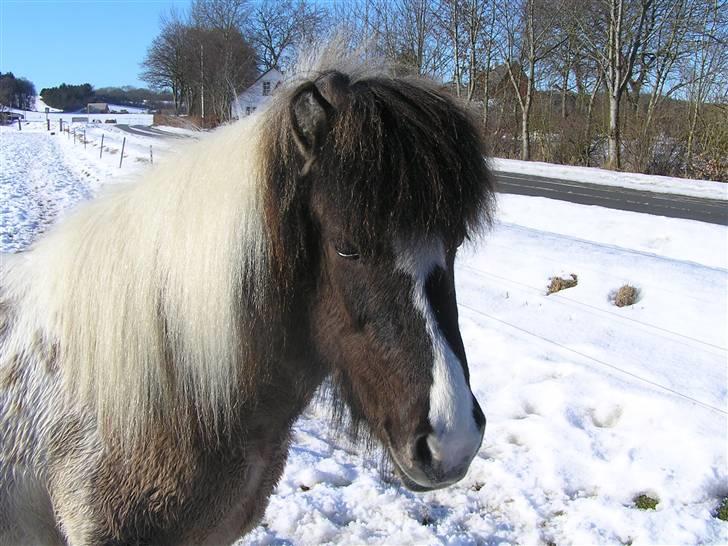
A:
{"points": [[606, 416]]}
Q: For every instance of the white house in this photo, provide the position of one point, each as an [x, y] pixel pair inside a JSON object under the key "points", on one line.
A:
{"points": [[257, 94]]}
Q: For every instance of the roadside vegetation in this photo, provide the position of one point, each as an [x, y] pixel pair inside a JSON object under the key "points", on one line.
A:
{"points": [[625, 295], [557, 284]]}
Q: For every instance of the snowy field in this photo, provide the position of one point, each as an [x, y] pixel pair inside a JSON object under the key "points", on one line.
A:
{"points": [[588, 405], [42, 174]]}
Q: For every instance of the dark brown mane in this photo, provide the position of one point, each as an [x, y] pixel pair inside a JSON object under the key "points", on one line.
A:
{"points": [[401, 155]]}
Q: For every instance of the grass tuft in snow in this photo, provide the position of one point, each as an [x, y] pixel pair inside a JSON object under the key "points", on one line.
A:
{"points": [[625, 295], [722, 511], [558, 283], [645, 502]]}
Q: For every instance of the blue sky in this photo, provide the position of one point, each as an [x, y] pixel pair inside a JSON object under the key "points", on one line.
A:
{"points": [[100, 42]]}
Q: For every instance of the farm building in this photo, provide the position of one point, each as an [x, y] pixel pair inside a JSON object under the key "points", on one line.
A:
{"points": [[257, 94]]}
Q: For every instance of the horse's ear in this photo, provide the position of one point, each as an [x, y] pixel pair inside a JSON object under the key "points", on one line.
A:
{"points": [[312, 110]]}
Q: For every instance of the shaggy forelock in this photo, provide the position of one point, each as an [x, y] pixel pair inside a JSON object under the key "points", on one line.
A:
{"points": [[400, 155], [405, 158]]}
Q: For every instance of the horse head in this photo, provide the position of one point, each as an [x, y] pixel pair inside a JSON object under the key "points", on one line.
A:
{"points": [[390, 180]]}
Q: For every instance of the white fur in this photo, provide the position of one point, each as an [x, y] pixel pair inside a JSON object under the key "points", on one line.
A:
{"points": [[171, 251], [455, 436]]}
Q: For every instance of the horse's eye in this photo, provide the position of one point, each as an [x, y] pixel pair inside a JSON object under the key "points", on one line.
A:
{"points": [[347, 250]]}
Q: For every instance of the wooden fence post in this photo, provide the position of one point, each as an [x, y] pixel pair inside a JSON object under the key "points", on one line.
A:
{"points": [[101, 151], [20, 128], [48, 125], [123, 143], [151, 156]]}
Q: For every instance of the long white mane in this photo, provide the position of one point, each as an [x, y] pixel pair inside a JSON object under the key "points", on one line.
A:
{"points": [[139, 292]]}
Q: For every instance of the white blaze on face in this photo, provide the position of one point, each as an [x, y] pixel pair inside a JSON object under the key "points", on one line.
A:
{"points": [[456, 436]]}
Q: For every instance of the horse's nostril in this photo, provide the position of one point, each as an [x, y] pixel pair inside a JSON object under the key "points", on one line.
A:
{"points": [[423, 455]]}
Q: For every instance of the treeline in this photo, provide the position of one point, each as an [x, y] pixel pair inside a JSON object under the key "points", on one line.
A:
{"points": [[640, 85], [16, 92], [133, 96], [76, 97], [68, 97]]}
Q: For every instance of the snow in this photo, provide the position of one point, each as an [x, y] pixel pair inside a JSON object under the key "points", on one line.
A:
{"points": [[44, 175], [588, 405], [131, 109], [660, 184], [41, 106]]}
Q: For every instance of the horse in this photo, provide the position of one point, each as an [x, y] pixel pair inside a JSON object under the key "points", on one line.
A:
{"points": [[158, 344]]}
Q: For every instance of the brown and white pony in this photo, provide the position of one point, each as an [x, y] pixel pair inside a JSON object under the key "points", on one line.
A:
{"points": [[157, 347]]}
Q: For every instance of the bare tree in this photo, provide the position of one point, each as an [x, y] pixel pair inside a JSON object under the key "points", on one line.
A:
{"points": [[203, 59], [489, 37], [708, 73], [277, 27], [163, 65], [613, 31], [529, 39], [223, 15]]}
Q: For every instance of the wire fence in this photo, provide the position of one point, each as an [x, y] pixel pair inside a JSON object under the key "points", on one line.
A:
{"points": [[107, 143]]}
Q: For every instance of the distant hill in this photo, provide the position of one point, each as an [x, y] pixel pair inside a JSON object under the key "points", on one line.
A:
{"points": [[132, 97], [40, 106], [71, 98]]}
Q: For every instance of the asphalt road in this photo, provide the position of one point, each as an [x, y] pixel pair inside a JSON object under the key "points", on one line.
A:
{"points": [[661, 204], [143, 130]]}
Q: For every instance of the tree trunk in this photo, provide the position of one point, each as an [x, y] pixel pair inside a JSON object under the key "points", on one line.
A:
{"points": [[691, 137], [589, 116], [565, 79], [525, 135], [486, 97], [614, 136]]}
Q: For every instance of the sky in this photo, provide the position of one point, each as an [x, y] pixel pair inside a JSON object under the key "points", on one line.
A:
{"points": [[101, 42]]}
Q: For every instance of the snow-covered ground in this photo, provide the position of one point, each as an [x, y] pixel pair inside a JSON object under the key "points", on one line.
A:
{"points": [[41, 106], [661, 184], [42, 175], [588, 405]]}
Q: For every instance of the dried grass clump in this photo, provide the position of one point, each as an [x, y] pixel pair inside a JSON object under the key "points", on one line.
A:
{"points": [[625, 295], [645, 502], [558, 283]]}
